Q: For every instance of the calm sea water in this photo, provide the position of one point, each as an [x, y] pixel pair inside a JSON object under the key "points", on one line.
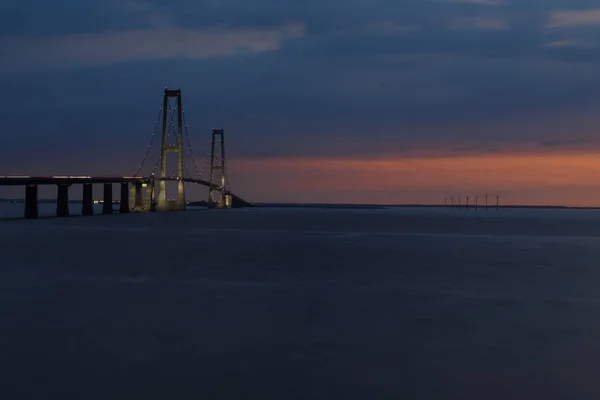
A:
{"points": [[302, 304]]}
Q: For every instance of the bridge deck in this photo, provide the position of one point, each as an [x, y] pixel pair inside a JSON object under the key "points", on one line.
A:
{"points": [[66, 180], [74, 179]]}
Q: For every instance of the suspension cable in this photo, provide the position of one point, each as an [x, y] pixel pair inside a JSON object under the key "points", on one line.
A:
{"points": [[171, 122], [150, 144], [205, 166], [190, 144]]}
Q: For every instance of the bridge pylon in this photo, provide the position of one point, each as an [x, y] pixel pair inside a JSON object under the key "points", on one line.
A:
{"points": [[163, 204], [218, 166]]}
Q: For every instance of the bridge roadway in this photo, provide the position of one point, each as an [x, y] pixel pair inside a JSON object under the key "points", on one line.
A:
{"points": [[237, 200], [73, 180]]}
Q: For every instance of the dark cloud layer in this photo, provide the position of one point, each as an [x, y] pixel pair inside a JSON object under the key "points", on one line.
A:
{"points": [[315, 77]]}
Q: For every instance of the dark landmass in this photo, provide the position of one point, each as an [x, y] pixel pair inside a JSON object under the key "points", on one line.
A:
{"points": [[238, 202]]}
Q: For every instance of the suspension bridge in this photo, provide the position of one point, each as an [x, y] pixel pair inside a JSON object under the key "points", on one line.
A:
{"points": [[140, 193]]}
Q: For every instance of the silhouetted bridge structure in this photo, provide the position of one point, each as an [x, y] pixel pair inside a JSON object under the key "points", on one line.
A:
{"points": [[143, 193]]}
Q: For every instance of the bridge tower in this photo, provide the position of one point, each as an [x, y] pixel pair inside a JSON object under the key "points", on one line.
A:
{"points": [[167, 148], [218, 165]]}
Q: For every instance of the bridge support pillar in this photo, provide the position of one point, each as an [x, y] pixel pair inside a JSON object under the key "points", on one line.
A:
{"points": [[31, 201], [87, 206], [136, 200], [107, 205], [124, 206], [149, 203], [152, 194], [62, 201], [181, 195]]}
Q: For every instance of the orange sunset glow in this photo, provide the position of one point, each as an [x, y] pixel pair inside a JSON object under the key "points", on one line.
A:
{"points": [[538, 179]]}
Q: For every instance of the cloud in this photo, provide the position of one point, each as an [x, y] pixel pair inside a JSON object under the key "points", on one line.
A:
{"points": [[560, 43], [133, 6], [390, 27], [470, 2], [482, 2], [567, 142], [568, 18], [478, 23], [161, 43]]}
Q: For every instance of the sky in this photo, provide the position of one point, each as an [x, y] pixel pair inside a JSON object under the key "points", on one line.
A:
{"points": [[354, 101]]}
